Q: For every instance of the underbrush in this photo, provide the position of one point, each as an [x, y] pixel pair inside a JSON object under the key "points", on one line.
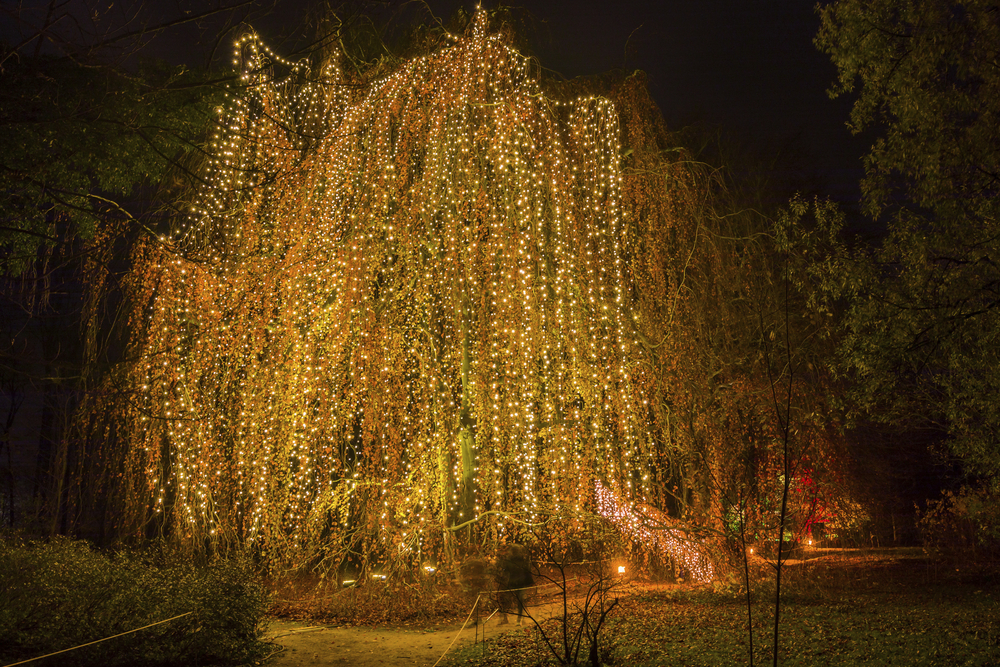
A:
{"points": [[841, 610], [389, 602], [61, 593], [963, 525]]}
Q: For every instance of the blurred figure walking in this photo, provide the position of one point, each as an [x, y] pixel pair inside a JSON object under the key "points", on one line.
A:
{"points": [[513, 577]]}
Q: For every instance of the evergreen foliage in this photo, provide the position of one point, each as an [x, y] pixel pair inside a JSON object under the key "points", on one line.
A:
{"points": [[62, 593], [79, 142]]}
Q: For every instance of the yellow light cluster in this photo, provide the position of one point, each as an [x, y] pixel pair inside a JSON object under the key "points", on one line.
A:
{"points": [[396, 305], [690, 554]]}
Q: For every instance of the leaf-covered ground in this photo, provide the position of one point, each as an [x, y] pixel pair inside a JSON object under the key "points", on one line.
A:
{"points": [[839, 609]]}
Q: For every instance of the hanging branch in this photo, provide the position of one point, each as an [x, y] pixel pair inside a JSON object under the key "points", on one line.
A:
{"points": [[421, 287]]}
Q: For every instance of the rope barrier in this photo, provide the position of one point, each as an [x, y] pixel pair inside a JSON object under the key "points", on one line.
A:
{"points": [[474, 604], [512, 590], [297, 631], [98, 641]]}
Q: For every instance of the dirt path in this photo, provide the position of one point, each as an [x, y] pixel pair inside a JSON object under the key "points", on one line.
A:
{"points": [[321, 646]]}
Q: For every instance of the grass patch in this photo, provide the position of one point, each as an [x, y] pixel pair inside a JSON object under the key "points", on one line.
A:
{"points": [[839, 610], [61, 593]]}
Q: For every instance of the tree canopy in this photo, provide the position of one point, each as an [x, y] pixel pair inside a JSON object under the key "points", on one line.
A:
{"points": [[428, 303], [78, 140], [921, 323], [400, 306]]}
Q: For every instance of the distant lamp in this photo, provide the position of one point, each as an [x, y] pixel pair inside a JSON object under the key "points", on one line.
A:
{"points": [[621, 569]]}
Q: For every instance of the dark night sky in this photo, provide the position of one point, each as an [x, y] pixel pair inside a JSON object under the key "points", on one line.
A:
{"points": [[748, 66]]}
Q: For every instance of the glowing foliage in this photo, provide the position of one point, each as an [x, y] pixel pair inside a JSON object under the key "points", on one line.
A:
{"points": [[396, 306], [647, 526]]}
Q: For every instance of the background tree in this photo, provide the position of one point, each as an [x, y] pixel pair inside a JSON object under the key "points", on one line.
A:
{"points": [[89, 130], [920, 335]]}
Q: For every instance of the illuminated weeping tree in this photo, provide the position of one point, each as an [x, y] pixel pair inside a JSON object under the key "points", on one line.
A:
{"points": [[404, 309]]}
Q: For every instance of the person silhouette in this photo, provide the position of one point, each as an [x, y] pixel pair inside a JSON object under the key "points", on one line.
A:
{"points": [[513, 578]]}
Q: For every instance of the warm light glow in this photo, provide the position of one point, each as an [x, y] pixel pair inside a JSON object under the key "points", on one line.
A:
{"points": [[621, 569], [398, 303], [686, 552]]}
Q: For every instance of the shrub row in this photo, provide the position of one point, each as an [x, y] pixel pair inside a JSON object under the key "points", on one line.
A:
{"points": [[61, 593]]}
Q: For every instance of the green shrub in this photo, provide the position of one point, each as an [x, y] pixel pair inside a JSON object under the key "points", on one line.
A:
{"points": [[965, 522], [62, 593]]}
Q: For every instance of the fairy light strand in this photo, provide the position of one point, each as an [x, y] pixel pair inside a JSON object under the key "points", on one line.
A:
{"points": [[690, 554], [398, 305]]}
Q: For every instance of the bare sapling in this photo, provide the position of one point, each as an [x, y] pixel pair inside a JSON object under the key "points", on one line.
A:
{"points": [[585, 609]]}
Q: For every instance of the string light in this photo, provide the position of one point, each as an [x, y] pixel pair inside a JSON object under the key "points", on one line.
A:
{"points": [[680, 548], [400, 304]]}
